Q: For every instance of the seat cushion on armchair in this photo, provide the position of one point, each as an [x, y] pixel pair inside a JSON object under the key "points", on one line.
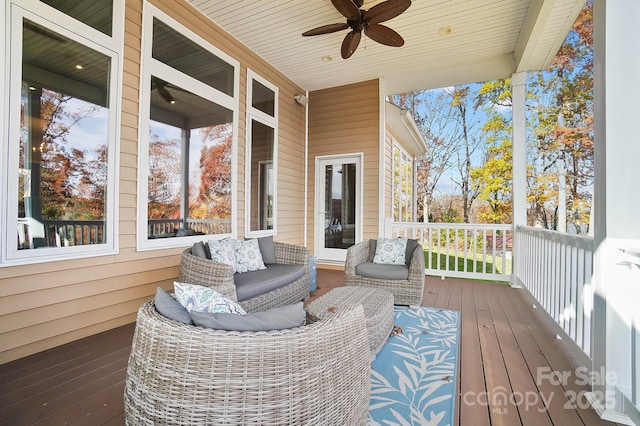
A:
{"points": [[377, 270], [255, 283]]}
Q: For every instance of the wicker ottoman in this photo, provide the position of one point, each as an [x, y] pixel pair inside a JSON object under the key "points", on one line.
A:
{"points": [[377, 304]]}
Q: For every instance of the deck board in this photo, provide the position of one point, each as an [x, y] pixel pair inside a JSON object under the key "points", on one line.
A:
{"points": [[501, 408], [523, 386], [503, 343], [551, 348], [471, 380], [536, 361]]}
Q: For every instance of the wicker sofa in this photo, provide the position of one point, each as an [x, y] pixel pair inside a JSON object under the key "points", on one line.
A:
{"points": [[407, 290], [310, 375], [202, 271]]}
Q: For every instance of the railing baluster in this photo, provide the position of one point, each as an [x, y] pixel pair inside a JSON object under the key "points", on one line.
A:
{"points": [[447, 249]]}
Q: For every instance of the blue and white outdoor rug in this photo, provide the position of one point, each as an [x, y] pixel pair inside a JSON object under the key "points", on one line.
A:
{"points": [[413, 378]]}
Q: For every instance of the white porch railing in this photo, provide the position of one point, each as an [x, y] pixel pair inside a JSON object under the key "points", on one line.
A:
{"points": [[169, 227], [556, 268], [34, 233], [461, 250]]}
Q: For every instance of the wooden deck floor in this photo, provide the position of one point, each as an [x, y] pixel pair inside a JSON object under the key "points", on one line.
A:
{"points": [[506, 355]]}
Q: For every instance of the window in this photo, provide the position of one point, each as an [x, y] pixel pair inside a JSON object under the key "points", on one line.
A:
{"points": [[402, 185], [262, 116], [188, 133], [62, 149]]}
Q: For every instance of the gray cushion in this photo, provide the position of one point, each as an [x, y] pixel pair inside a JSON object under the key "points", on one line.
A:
{"points": [[408, 254], [170, 308], [267, 249], [411, 246], [198, 249], [373, 243], [285, 317], [255, 283], [378, 270]]}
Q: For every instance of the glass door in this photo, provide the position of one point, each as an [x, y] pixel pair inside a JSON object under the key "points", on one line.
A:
{"points": [[338, 201]]}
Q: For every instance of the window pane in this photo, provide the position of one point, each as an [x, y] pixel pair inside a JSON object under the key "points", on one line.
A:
{"points": [[263, 98], [186, 129], [63, 142], [177, 51], [95, 13], [402, 186], [397, 193], [262, 179], [340, 205]]}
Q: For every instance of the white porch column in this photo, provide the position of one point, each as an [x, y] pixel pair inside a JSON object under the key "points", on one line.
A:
{"points": [[518, 96], [616, 279]]}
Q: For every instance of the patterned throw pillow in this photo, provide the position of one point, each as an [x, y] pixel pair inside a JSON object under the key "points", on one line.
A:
{"points": [[223, 251], [390, 251], [204, 299], [248, 256]]}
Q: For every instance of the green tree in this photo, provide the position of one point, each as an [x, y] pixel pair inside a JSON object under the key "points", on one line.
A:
{"points": [[493, 179]]}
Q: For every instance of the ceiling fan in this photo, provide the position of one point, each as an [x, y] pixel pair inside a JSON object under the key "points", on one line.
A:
{"points": [[364, 20]]}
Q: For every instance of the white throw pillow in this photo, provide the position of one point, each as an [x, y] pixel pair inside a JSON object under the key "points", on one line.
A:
{"points": [[204, 299], [248, 256], [390, 251], [223, 251]]}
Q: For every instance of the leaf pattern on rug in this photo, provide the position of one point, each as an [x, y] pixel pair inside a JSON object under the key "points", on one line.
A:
{"points": [[413, 377]]}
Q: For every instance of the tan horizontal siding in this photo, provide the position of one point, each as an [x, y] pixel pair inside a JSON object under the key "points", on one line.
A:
{"points": [[48, 304], [346, 120]]}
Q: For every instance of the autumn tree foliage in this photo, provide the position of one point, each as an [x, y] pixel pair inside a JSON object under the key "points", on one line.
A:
{"points": [[469, 132], [72, 181], [560, 145], [165, 177], [214, 195], [207, 188]]}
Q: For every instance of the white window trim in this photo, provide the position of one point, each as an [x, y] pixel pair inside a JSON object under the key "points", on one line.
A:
{"points": [[61, 23], [267, 120], [148, 66]]}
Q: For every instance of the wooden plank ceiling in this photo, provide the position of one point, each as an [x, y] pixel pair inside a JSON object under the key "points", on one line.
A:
{"points": [[488, 39]]}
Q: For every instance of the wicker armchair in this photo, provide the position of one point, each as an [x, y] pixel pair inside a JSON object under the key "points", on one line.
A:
{"points": [[181, 374], [405, 292], [196, 270]]}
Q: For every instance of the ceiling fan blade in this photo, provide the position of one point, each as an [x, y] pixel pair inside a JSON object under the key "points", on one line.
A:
{"points": [[386, 10], [350, 44], [347, 8], [326, 29], [383, 35]]}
